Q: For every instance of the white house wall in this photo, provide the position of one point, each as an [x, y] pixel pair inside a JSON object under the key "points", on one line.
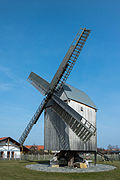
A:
{"points": [[5, 147]]}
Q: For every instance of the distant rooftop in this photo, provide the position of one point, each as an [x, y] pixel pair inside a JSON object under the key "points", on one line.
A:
{"points": [[39, 147], [78, 95], [3, 138]]}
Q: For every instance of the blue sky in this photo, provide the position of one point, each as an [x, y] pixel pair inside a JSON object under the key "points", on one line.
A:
{"points": [[34, 36]]}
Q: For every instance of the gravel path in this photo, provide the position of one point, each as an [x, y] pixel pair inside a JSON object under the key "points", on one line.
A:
{"points": [[92, 168]]}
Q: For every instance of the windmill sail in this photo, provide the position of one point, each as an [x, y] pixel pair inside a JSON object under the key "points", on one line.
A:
{"points": [[69, 60], [39, 83], [80, 126], [33, 120]]}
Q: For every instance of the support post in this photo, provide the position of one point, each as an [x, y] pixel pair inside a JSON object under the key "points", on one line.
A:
{"points": [[21, 153], [95, 158], [22, 149], [71, 161]]}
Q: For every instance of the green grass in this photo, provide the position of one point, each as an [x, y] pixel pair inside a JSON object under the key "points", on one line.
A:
{"points": [[12, 170]]}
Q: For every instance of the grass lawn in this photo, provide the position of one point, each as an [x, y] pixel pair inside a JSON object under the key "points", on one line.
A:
{"points": [[10, 170]]}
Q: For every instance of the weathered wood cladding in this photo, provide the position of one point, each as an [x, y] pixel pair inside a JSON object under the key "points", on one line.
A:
{"points": [[58, 136]]}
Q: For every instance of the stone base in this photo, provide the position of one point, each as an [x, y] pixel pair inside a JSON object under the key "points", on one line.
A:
{"points": [[48, 168]]}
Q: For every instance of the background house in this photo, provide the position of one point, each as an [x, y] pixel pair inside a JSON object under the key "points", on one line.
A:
{"points": [[10, 149]]}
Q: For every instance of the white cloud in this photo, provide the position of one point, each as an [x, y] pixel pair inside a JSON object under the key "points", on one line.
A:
{"points": [[12, 78], [6, 71], [5, 86]]}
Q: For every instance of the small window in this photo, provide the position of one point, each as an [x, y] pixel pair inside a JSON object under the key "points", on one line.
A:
{"points": [[81, 108]]}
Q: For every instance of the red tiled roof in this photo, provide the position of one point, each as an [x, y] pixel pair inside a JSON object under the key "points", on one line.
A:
{"points": [[28, 146], [3, 138], [37, 146], [40, 147]]}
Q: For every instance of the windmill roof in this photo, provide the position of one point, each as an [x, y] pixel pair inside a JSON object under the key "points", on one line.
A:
{"points": [[78, 95]]}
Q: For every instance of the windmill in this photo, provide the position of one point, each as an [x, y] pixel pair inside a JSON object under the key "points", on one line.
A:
{"points": [[79, 125]]}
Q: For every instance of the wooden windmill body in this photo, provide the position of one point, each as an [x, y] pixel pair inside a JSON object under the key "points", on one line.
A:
{"points": [[57, 134], [70, 115]]}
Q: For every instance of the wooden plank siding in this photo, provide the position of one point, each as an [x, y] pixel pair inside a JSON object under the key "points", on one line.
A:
{"points": [[58, 136]]}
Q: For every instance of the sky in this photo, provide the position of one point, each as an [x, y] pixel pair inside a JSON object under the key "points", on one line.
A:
{"points": [[35, 36]]}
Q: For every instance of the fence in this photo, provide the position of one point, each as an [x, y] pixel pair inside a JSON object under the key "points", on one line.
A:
{"points": [[113, 157], [35, 157], [38, 157]]}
